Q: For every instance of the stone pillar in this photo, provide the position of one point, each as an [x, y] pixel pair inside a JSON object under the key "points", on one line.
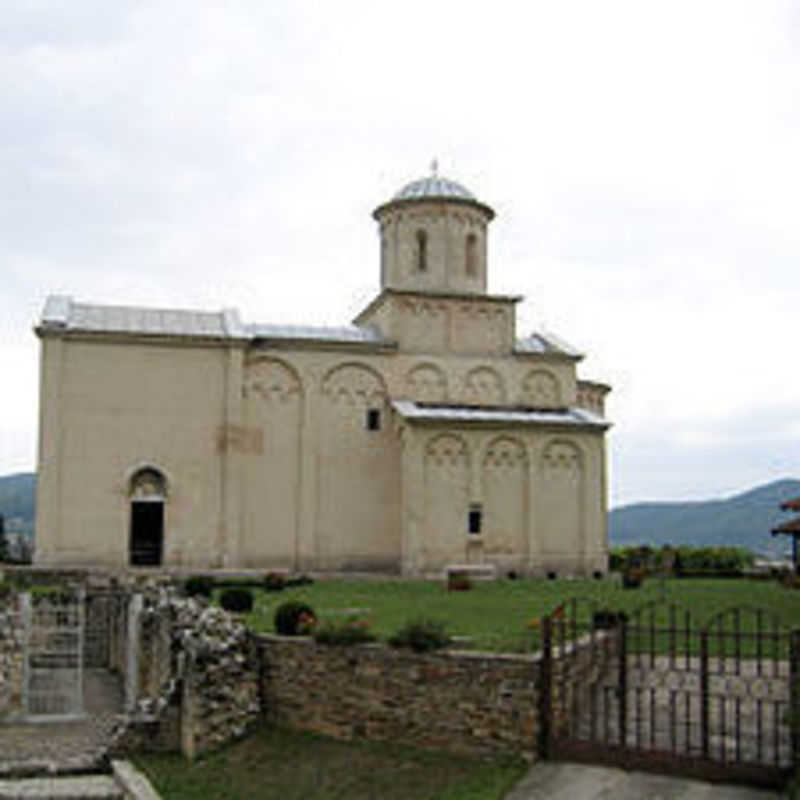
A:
{"points": [[132, 654]]}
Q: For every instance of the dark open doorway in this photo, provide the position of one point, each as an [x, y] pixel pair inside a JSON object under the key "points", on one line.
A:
{"points": [[147, 533]]}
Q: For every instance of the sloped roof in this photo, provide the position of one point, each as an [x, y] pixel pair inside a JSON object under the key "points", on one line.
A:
{"points": [[61, 312], [435, 412], [792, 526], [545, 343], [343, 333]]}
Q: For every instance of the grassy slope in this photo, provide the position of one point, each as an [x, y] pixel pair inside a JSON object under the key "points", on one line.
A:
{"points": [[283, 765]]}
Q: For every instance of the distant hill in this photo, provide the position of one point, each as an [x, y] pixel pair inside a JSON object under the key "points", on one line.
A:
{"points": [[744, 520], [18, 501]]}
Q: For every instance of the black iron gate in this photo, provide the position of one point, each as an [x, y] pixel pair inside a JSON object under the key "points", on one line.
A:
{"points": [[653, 690]]}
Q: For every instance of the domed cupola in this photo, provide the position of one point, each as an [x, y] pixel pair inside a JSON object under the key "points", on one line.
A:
{"points": [[434, 237]]}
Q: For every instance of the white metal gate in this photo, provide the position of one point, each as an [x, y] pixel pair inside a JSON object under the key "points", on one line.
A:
{"points": [[53, 626]]}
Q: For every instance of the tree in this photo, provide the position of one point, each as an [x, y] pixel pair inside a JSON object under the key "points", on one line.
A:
{"points": [[3, 540]]}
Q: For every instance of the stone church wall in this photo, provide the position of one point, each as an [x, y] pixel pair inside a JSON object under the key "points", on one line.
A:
{"points": [[271, 464], [121, 406]]}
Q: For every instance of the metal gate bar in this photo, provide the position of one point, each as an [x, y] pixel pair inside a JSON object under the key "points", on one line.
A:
{"points": [[53, 627], [719, 712]]}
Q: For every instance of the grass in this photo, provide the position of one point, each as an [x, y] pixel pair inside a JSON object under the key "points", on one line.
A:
{"points": [[287, 765], [497, 615]]}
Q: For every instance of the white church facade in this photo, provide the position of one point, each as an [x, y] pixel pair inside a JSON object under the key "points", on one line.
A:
{"points": [[424, 434]]}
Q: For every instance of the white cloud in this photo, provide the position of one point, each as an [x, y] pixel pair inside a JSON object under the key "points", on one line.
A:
{"points": [[642, 159]]}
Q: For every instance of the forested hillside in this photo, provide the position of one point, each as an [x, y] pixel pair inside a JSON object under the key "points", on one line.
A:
{"points": [[744, 520]]}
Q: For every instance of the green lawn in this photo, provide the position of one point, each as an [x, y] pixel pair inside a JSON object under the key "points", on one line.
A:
{"points": [[275, 764], [495, 614]]}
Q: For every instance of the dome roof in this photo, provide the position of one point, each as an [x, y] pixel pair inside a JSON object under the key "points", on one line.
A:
{"points": [[434, 186]]}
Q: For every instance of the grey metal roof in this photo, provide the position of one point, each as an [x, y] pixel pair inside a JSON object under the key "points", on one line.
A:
{"points": [[434, 186], [544, 343], [344, 333], [63, 313], [466, 414]]}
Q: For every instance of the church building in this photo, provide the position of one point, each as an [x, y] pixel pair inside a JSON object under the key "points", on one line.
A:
{"points": [[424, 434]]}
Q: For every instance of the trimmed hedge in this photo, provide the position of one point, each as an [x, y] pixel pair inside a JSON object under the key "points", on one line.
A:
{"points": [[202, 585], [240, 601], [294, 618]]}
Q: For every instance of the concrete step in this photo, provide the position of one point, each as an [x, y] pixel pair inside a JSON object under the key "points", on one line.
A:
{"points": [[78, 787]]}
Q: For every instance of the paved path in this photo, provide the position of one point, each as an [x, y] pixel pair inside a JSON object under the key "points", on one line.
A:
{"points": [[563, 781], [47, 748], [88, 787]]}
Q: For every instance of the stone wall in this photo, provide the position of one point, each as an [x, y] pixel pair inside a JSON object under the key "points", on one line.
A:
{"points": [[12, 666], [480, 704], [196, 678]]}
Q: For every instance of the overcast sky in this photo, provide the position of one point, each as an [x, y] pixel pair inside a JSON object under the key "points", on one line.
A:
{"points": [[642, 158]]}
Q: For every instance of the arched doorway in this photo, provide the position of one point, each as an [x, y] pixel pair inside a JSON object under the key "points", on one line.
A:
{"points": [[148, 494]]}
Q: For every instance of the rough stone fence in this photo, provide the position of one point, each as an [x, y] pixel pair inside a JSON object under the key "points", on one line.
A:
{"points": [[195, 678]]}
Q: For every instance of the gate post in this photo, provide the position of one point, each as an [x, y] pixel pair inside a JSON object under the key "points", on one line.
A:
{"points": [[704, 706], [794, 693], [546, 690], [622, 687]]}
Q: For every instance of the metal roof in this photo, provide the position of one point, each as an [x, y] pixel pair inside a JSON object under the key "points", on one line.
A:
{"points": [[544, 343], [344, 333], [62, 313], [527, 416], [434, 186]]}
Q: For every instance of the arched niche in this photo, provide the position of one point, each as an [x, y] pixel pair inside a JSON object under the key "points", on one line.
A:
{"points": [[426, 383], [505, 481], [561, 500], [483, 386], [540, 389]]}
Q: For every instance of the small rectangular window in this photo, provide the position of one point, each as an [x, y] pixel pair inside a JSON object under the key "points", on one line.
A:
{"points": [[475, 519], [373, 419]]}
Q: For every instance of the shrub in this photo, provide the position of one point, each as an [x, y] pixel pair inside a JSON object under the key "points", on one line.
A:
{"points": [[240, 601], [273, 582], [347, 632], [458, 581], [199, 585], [300, 580], [632, 577], [605, 619], [294, 618], [421, 635]]}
